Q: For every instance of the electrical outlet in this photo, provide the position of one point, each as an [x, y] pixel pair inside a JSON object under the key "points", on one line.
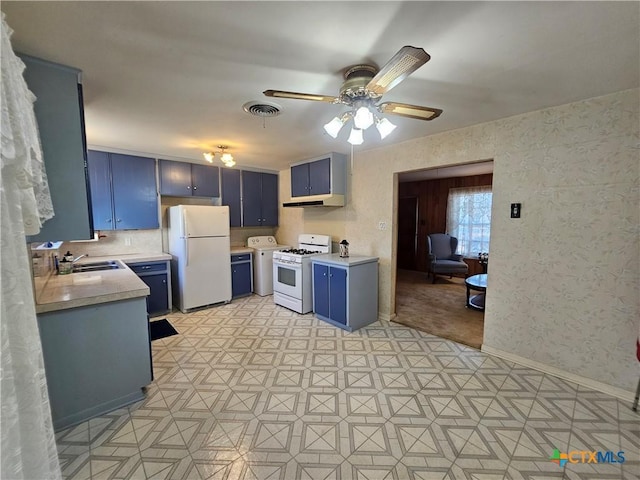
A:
{"points": [[127, 241], [382, 225]]}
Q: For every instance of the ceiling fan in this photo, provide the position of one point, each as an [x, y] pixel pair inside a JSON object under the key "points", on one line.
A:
{"points": [[362, 90]]}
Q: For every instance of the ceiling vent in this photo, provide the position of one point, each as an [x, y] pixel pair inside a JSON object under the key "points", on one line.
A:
{"points": [[262, 109]]}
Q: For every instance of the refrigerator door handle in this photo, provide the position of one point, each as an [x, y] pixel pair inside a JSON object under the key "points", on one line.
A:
{"points": [[186, 251], [185, 224]]}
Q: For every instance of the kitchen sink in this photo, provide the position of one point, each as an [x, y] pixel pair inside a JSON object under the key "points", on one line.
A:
{"points": [[96, 266]]}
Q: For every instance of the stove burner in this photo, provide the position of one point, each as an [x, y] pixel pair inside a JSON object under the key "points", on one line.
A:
{"points": [[299, 251]]}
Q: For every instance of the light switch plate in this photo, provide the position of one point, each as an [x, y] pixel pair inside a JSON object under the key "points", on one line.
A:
{"points": [[515, 210]]}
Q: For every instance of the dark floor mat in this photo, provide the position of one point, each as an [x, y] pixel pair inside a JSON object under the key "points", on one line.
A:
{"points": [[161, 329]]}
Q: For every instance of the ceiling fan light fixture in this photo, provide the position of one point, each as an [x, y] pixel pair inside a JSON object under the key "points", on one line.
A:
{"points": [[229, 163], [385, 127], [334, 126], [208, 156], [363, 118], [356, 137], [226, 158]]}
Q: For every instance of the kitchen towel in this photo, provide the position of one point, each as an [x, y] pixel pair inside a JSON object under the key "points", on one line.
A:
{"points": [[161, 329]]}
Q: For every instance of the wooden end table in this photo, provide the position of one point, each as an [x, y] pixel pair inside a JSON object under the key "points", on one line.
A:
{"points": [[477, 283]]}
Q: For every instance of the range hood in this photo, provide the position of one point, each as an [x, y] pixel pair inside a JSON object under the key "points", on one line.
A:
{"points": [[329, 200]]}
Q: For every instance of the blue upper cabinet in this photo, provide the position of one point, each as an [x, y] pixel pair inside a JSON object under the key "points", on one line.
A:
{"points": [[100, 181], [180, 179], [230, 180], [175, 178], [259, 199], [123, 191], [321, 176], [60, 116]]}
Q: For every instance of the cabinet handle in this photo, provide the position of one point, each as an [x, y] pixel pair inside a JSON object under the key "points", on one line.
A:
{"points": [[188, 187], [118, 220], [324, 274], [331, 274], [108, 220], [164, 281], [195, 188]]}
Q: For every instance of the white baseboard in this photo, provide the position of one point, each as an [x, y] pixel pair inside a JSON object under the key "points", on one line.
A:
{"points": [[557, 372]]}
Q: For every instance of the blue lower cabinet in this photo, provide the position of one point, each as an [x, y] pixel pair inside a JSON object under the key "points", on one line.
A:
{"points": [[345, 290], [157, 276], [241, 275], [321, 290]]}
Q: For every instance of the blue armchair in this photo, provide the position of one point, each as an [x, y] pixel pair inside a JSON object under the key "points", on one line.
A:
{"points": [[443, 259]]}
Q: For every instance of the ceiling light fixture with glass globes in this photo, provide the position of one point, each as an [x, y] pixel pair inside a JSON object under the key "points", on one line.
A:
{"points": [[225, 157]]}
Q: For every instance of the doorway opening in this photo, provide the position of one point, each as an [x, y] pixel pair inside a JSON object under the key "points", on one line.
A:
{"points": [[438, 308]]}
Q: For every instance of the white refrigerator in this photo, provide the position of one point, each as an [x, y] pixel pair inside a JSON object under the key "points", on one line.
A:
{"points": [[201, 265]]}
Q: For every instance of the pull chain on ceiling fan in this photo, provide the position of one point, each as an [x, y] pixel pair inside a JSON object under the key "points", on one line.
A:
{"points": [[362, 90]]}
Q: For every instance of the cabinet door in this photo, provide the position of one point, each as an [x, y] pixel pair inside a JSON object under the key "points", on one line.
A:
{"points": [[241, 279], [269, 200], [300, 180], [231, 195], [320, 177], [59, 113], [100, 184], [175, 178], [338, 295], [158, 299], [135, 198], [251, 199], [205, 180], [321, 290]]}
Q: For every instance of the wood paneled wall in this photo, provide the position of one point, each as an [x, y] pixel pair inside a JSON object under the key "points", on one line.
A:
{"points": [[432, 209]]}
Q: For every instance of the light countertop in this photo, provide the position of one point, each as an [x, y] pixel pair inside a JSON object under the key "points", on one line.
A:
{"points": [[61, 292], [336, 259], [74, 290], [239, 250]]}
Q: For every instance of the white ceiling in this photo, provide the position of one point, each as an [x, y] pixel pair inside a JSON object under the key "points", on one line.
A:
{"points": [[170, 78]]}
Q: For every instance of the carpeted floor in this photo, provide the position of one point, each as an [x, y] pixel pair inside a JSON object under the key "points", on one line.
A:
{"points": [[437, 308]]}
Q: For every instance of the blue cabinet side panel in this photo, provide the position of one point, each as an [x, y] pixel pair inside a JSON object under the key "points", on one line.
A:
{"points": [[59, 114]]}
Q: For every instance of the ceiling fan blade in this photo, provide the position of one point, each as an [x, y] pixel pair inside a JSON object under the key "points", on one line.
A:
{"points": [[300, 96], [402, 64], [411, 111]]}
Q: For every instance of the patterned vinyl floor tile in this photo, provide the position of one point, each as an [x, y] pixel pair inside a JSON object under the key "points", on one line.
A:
{"points": [[253, 391]]}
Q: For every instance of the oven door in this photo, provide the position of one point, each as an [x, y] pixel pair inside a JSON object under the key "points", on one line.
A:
{"points": [[287, 279]]}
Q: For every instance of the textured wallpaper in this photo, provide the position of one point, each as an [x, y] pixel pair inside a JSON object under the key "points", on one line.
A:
{"points": [[564, 278]]}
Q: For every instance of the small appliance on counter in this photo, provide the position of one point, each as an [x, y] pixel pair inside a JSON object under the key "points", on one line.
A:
{"points": [[292, 282], [344, 249], [264, 247]]}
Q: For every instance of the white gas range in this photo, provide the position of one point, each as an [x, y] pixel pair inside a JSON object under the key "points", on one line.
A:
{"points": [[292, 272]]}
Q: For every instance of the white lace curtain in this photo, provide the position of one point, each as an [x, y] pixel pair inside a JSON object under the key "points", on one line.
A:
{"points": [[28, 448], [469, 218]]}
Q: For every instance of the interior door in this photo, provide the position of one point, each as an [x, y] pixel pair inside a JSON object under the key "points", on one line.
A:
{"points": [[407, 233]]}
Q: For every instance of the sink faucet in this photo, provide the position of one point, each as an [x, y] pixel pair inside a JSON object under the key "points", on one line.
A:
{"points": [[78, 258]]}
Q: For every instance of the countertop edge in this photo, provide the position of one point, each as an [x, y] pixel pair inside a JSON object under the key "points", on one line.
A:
{"points": [[89, 301]]}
